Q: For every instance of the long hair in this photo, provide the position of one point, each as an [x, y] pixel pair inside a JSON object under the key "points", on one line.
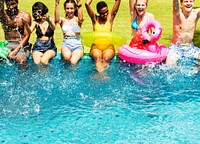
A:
{"points": [[75, 6]]}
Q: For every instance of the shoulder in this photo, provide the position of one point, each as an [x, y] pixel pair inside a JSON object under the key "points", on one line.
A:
{"points": [[62, 20], [197, 10], [150, 14], [24, 15]]}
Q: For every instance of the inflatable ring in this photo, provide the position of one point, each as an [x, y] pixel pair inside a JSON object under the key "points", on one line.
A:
{"points": [[155, 35], [4, 50], [102, 38]]}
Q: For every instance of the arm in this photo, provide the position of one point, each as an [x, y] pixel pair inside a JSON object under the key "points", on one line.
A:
{"points": [[176, 11], [198, 13], [2, 14], [90, 10], [31, 28], [57, 12], [132, 8], [80, 13], [51, 22], [115, 9]]}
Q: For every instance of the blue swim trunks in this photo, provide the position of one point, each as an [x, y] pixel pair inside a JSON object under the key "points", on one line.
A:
{"points": [[189, 51], [72, 43]]}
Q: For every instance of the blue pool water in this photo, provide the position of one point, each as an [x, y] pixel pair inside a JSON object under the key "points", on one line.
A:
{"points": [[127, 104]]}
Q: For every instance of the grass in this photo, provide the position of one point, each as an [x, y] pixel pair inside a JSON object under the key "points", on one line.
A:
{"points": [[162, 10]]}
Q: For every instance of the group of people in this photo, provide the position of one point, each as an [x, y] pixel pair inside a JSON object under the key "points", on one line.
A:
{"points": [[18, 26], [185, 18]]}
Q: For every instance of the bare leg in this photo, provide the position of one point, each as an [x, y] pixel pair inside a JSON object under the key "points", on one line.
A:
{"points": [[37, 57], [47, 56], [198, 60], [171, 60], [66, 53], [76, 55], [108, 54]]}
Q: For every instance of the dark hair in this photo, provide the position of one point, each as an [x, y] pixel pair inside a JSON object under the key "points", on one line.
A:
{"points": [[40, 6], [101, 5], [11, 1], [75, 6]]}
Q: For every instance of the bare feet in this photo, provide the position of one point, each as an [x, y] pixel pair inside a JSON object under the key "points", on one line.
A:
{"points": [[101, 66]]}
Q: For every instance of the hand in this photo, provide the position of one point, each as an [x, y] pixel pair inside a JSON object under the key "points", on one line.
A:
{"points": [[12, 54], [57, 1], [47, 18]]}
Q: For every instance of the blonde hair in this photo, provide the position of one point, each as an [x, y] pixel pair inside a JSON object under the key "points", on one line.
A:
{"points": [[138, 0]]}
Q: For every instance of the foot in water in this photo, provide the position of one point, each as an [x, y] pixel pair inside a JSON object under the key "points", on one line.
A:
{"points": [[23, 66], [102, 67]]}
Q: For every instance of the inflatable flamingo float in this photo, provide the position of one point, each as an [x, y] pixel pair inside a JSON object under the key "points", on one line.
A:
{"points": [[144, 49]]}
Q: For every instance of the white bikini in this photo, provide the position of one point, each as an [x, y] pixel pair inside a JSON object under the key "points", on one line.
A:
{"points": [[71, 42], [70, 26]]}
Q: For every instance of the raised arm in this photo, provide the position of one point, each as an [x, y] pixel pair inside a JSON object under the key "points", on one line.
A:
{"points": [[176, 11], [57, 11], [90, 10], [198, 9], [25, 39], [115, 9], [2, 14], [132, 8], [51, 22], [80, 12]]}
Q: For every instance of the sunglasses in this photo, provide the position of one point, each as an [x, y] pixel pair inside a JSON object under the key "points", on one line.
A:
{"points": [[36, 13], [104, 13]]}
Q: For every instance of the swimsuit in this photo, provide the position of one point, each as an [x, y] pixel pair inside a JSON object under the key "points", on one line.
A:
{"points": [[44, 45], [134, 24], [49, 32], [24, 51], [189, 51], [66, 28], [71, 42], [102, 27], [102, 41]]}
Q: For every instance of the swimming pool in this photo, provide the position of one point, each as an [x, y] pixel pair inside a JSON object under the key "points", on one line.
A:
{"points": [[126, 104]]}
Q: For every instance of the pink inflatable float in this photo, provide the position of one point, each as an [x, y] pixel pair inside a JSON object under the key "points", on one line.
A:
{"points": [[143, 48]]}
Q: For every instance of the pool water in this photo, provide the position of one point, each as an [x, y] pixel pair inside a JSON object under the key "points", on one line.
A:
{"points": [[126, 104]]}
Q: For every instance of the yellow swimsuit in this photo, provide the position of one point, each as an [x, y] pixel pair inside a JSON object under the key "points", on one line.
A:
{"points": [[103, 37]]}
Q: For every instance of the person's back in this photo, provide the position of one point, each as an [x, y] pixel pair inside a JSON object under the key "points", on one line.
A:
{"points": [[15, 31], [184, 24]]}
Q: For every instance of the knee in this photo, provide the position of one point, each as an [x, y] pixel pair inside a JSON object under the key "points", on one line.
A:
{"points": [[44, 61], [73, 62], [37, 62], [21, 59], [171, 60], [66, 56]]}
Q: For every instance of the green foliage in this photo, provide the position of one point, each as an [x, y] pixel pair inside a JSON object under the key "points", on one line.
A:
{"points": [[162, 9]]}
